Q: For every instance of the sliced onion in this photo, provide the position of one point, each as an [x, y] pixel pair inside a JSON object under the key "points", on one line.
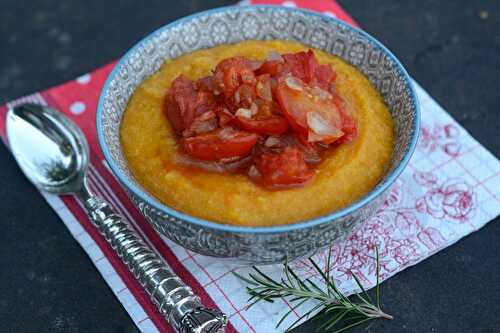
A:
{"points": [[237, 97], [322, 94], [333, 87], [273, 142], [311, 155], [317, 123], [323, 145], [226, 133], [274, 56], [248, 77], [229, 159], [205, 126], [244, 113], [219, 167], [204, 165], [264, 90], [255, 64], [205, 123], [254, 108], [253, 173], [294, 83], [206, 116], [238, 164]]}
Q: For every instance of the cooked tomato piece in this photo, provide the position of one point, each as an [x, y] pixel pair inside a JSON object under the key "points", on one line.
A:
{"points": [[263, 87], [180, 96], [292, 104], [309, 111], [205, 102], [305, 66], [245, 95], [184, 103], [273, 125], [285, 169], [265, 109], [204, 123], [316, 74], [324, 76], [349, 124], [225, 116], [207, 83], [225, 143], [311, 150], [322, 127], [232, 72], [272, 67], [296, 63], [349, 127], [302, 65], [173, 113]]}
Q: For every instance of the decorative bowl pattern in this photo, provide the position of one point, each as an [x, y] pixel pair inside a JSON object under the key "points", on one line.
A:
{"points": [[259, 245]]}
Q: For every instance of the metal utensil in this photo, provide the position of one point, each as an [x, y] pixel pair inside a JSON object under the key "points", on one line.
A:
{"points": [[53, 153]]}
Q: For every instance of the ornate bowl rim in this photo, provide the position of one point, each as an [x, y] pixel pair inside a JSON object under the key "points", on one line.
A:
{"points": [[367, 198]]}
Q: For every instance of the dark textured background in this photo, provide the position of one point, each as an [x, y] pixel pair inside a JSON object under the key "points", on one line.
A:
{"points": [[47, 283]]}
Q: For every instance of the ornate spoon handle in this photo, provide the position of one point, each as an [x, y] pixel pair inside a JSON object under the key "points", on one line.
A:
{"points": [[175, 300]]}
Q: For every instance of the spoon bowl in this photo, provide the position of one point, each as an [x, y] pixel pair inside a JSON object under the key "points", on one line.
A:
{"points": [[50, 149]]}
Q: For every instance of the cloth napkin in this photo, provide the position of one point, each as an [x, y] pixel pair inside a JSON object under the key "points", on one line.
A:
{"points": [[450, 189]]}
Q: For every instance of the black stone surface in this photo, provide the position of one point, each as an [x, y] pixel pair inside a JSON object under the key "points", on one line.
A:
{"points": [[47, 283]]}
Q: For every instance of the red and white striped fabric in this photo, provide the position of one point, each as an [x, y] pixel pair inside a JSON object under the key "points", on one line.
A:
{"points": [[450, 189]]}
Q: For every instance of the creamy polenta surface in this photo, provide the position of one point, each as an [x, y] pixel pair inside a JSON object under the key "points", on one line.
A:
{"points": [[344, 176]]}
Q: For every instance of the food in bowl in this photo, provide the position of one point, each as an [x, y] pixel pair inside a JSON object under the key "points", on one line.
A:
{"points": [[270, 120], [283, 171]]}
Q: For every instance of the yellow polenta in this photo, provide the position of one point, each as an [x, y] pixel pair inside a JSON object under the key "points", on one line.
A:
{"points": [[345, 175]]}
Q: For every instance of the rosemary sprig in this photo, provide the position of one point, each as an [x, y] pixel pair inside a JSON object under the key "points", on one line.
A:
{"points": [[338, 312]]}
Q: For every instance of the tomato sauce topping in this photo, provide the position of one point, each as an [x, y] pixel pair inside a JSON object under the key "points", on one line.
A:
{"points": [[271, 120]]}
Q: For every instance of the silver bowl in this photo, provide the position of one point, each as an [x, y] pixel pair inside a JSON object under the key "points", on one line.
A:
{"points": [[257, 245]]}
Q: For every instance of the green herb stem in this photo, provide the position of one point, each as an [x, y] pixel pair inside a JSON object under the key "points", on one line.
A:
{"points": [[337, 310]]}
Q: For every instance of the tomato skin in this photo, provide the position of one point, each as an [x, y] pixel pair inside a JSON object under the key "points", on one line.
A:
{"points": [[173, 113], [263, 88], [206, 83], [302, 65], [272, 67], [304, 108], [296, 63], [184, 103], [284, 170], [305, 66], [324, 76], [224, 115], [202, 124], [349, 124], [273, 125], [232, 72], [177, 108], [221, 144], [246, 94], [295, 115]]}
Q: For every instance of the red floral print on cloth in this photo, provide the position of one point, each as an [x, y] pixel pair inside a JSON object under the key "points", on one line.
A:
{"points": [[399, 229], [440, 137], [431, 238], [356, 255], [453, 199]]}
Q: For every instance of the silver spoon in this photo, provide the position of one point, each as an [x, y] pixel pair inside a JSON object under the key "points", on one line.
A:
{"points": [[53, 153]]}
